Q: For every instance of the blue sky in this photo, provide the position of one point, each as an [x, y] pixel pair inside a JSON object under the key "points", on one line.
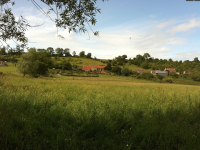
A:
{"points": [[163, 28]]}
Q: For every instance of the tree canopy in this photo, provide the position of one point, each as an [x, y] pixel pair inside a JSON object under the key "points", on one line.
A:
{"points": [[74, 15]]}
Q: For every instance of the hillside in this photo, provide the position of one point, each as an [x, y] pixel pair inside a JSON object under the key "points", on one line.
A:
{"points": [[80, 61]]}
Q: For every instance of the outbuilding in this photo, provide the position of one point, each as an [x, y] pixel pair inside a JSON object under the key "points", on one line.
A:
{"points": [[159, 72]]}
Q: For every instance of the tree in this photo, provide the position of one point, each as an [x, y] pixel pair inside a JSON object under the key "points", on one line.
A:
{"points": [[196, 59], [3, 51], [124, 57], [67, 52], [40, 50], [71, 14], [74, 53], [82, 54], [19, 51], [89, 55], [195, 75], [66, 65], [116, 70], [125, 71], [34, 63], [145, 65], [59, 51], [146, 56], [50, 50], [160, 77], [108, 67]]}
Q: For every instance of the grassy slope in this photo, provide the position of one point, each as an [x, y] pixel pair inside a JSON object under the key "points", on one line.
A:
{"points": [[81, 61], [97, 113], [134, 67]]}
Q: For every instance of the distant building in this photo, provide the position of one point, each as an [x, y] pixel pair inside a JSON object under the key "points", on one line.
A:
{"points": [[186, 72], [93, 68], [170, 69], [2, 63], [159, 72], [140, 70]]}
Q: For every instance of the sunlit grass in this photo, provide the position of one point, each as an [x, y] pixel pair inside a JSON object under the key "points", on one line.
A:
{"points": [[95, 113]]}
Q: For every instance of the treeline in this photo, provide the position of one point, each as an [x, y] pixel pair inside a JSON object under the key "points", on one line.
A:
{"points": [[147, 62], [61, 52]]}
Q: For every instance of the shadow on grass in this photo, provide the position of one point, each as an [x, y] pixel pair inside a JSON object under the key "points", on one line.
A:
{"points": [[49, 126]]}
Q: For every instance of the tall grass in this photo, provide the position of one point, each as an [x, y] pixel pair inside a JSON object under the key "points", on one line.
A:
{"points": [[91, 114]]}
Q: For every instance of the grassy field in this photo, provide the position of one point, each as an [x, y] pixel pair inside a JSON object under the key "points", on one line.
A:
{"points": [[97, 113], [8, 69]]}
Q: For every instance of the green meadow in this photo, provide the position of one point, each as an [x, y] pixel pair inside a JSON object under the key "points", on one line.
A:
{"points": [[108, 112]]}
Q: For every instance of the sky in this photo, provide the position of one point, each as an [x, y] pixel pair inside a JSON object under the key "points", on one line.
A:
{"points": [[163, 28]]}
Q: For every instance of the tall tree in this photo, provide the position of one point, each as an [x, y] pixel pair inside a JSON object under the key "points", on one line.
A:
{"points": [[3, 51], [82, 54], [73, 15], [74, 53], [196, 59], [67, 52], [59, 51], [146, 56], [41, 50], [34, 63], [50, 50], [89, 55]]}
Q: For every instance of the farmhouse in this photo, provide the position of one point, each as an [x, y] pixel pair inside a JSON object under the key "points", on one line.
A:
{"points": [[170, 69], [159, 72], [2, 63], [186, 72], [92, 68], [140, 70]]}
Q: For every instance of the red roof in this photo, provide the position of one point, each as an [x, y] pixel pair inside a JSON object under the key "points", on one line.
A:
{"points": [[86, 68], [170, 69]]}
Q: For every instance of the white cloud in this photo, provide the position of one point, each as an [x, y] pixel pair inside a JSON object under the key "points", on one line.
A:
{"points": [[190, 55], [185, 26], [165, 24]]}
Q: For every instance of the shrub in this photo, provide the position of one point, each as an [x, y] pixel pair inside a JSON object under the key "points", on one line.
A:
{"points": [[135, 74], [147, 76], [160, 77], [139, 76], [1, 73], [184, 76], [173, 74], [116, 70], [168, 80], [125, 71], [145, 65], [195, 76]]}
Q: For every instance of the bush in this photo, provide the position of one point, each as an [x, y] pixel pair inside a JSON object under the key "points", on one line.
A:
{"points": [[173, 74], [168, 80], [145, 65], [195, 76], [160, 77], [147, 76], [135, 74], [125, 71], [139, 76], [184, 76], [116, 70], [1, 73]]}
